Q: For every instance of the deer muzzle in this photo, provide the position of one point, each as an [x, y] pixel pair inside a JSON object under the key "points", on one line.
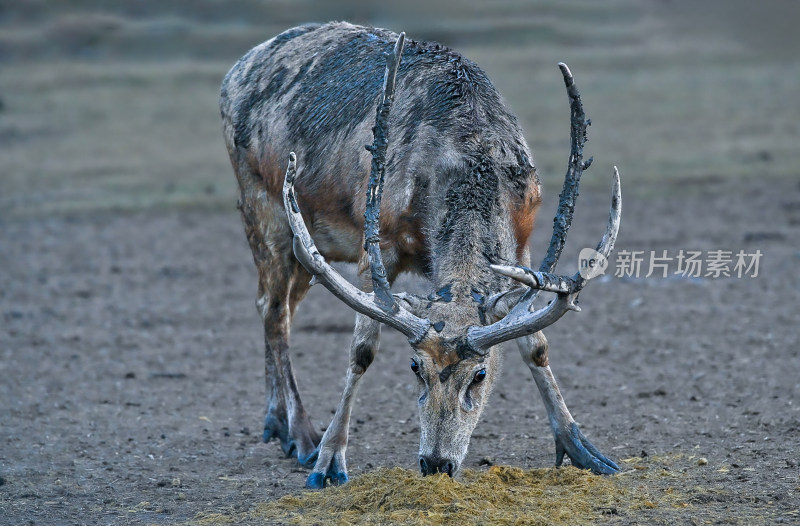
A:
{"points": [[430, 465]]}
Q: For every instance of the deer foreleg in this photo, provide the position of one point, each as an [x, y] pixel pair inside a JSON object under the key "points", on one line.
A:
{"points": [[568, 437], [331, 466]]}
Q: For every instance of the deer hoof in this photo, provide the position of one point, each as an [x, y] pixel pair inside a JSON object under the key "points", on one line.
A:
{"points": [[308, 460], [334, 475], [318, 480], [299, 445], [275, 428], [322, 480], [582, 453]]}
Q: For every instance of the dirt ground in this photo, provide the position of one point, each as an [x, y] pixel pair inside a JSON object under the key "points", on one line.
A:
{"points": [[131, 354]]}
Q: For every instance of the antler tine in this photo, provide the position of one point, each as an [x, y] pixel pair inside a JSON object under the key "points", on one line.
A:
{"points": [[606, 244], [566, 200], [380, 282], [306, 252], [575, 167], [520, 321], [548, 282]]}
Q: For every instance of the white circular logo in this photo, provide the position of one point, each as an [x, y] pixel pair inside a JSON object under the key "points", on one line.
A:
{"points": [[591, 263]]}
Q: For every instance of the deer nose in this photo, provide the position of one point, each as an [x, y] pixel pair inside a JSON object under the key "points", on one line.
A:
{"points": [[431, 465]]}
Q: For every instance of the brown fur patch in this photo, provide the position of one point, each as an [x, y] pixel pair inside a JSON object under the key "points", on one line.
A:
{"points": [[442, 355], [327, 198], [329, 201], [267, 164], [539, 353], [523, 217], [326, 203], [405, 234], [540, 357]]}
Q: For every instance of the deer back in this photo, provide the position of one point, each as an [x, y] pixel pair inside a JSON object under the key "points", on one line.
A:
{"points": [[460, 191]]}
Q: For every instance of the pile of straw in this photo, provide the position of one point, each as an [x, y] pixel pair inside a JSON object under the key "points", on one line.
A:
{"points": [[501, 495]]}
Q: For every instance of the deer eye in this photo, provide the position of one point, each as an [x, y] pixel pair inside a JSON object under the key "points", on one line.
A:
{"points": [[479, 376], [414, 366]]}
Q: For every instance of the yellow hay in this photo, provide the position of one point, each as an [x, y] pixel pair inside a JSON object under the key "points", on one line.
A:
{"points": [[653, 490], [501, 495]]}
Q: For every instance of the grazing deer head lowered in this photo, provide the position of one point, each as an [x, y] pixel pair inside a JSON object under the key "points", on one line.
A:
{"points": [[461, 193]]}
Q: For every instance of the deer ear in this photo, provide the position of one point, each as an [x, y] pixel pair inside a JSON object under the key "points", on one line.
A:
{"points": [[414, 304], [497, 306]]}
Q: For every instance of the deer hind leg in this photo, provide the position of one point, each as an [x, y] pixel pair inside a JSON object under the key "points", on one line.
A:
{"points": [[282, 283], [286, 418], [569, 438], [331, 465]]}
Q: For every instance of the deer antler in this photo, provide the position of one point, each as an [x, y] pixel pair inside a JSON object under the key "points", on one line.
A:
{"points": [[520, 321], [380, 304], [380, 283]]}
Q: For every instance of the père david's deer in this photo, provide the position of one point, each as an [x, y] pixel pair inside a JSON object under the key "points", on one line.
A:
{"points": [[447, 189]]}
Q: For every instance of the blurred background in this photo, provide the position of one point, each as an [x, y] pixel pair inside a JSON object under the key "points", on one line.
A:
{"points": [[113, 105]]}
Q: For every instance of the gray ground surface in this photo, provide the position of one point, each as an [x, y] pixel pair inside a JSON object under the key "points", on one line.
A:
{"points": [[131, 364]]}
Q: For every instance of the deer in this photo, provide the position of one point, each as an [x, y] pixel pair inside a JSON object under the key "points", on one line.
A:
{"points": [[446, 189]]}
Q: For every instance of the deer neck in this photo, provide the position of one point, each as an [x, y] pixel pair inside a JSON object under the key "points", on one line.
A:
{"points": [[472, 230]]}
